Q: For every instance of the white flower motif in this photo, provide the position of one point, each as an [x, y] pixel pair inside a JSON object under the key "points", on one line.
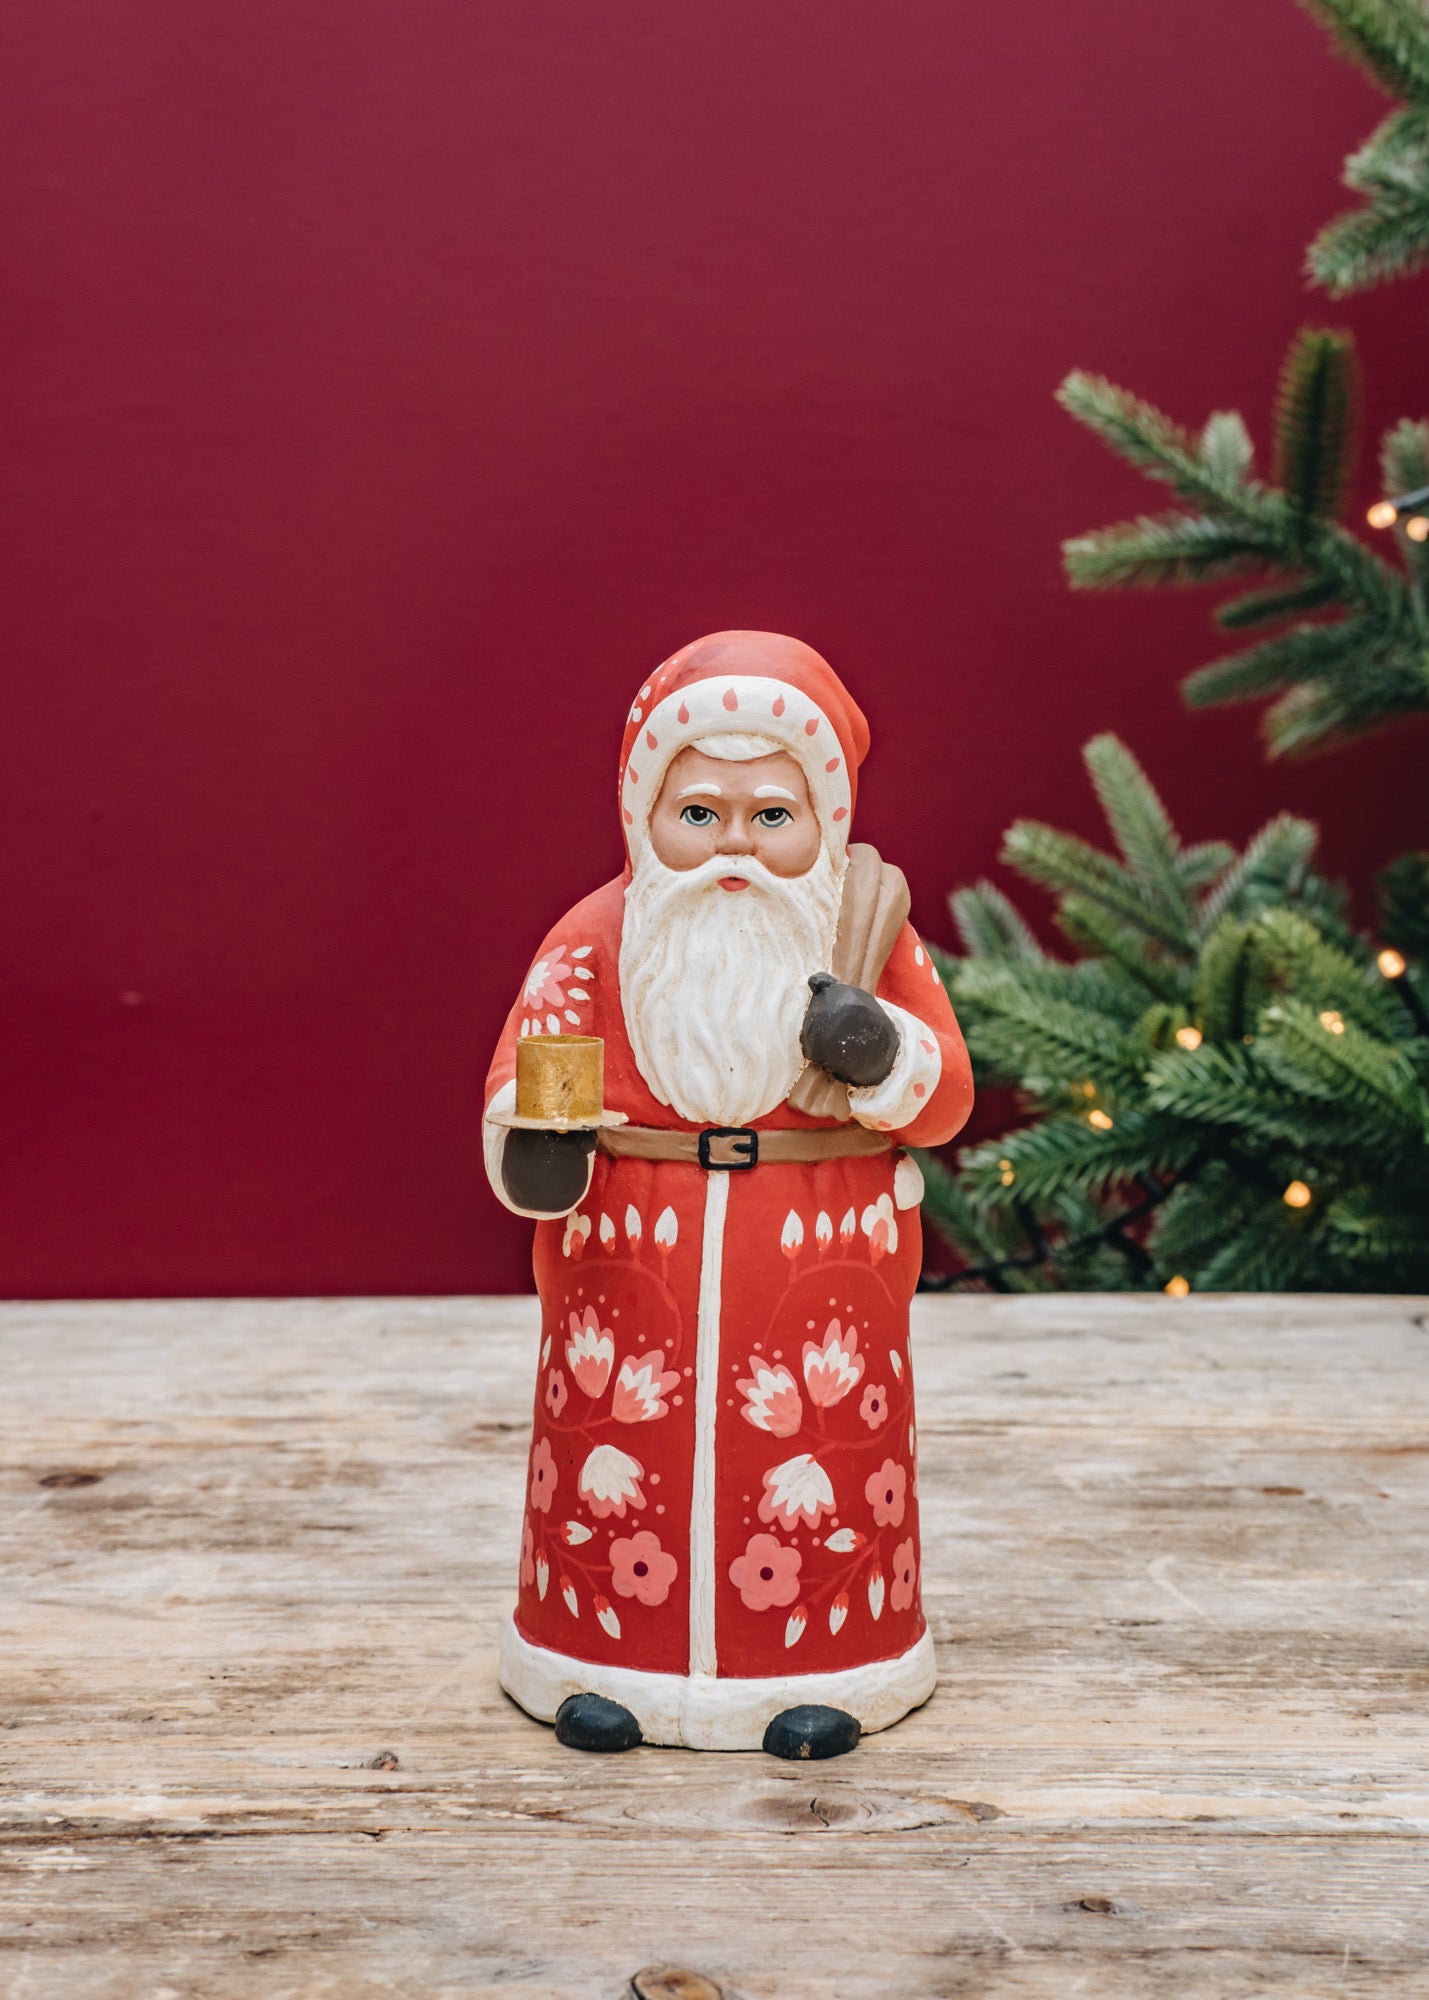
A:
{"points": [[553, 1024], [573, 1533], [577, 1235], [797, 1491], [634, 1228], [543, 1576], [583, 951], [880, 1226], [609, 1478], [794, 1630], [838, 1611], [895, 1362], [606, 1615], [875, 1593], [823, 1230], [843, 1541], [847, 1228], [771, 1399], [791, 1236], [607, 1231], [833, 1366], [546, 1350], [666, 1229], [568, 1591]]}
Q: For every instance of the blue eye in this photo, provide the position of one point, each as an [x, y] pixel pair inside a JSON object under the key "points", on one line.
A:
{"points": [[773, 816], [697, 816]]}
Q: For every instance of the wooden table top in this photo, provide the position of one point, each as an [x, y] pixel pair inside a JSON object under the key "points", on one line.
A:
{"points": [[256, 1556]]}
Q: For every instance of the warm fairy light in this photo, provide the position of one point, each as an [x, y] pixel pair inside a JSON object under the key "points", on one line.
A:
{"points": [[1383, 514], [1178, 1287], [1331, 1020], [1100, 1120], [1391, 963], [1188, 1038], [1417, 528], [1004, 1168], [1297, 1195]]}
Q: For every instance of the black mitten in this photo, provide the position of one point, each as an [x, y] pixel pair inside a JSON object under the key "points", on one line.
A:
{"points": [[848, 1033], [545, 1172]]}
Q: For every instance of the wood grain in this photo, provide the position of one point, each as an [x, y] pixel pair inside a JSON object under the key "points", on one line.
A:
{"points": [[256, 1556]]}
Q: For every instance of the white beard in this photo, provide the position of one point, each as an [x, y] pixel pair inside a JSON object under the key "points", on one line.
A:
{"points": [[714, 983]]}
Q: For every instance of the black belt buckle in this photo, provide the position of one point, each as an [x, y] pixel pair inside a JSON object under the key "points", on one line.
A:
{"points": [[741, 1148]]}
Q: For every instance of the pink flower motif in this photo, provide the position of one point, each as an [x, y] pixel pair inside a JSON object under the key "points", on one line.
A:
{"points": [[874, 1407], [641, 1387], [880, 1226], [610, 1478], [884, 1492], [905, 1571], [641, 1568], [557, 1393], [798, 1491], [546, 981], [590, 1351], [766, 1574], [528, 1558], [833, 1368], [771, 1399], [543, 1476]]}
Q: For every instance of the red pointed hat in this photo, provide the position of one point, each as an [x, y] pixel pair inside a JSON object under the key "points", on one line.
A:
{"points": [[754, 684]]}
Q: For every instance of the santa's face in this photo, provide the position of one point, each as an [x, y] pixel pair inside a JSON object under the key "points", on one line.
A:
{"points": [[732, 905], [710, 806]]}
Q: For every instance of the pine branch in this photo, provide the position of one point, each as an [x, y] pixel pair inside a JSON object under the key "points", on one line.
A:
{"points": [[1370, 246], [1063, 862], [1316, 422], [1158, 549], [1272, 607], [1308, 652], [1273, 869], [1066, 1152], [1404, 905], [1387, 39], [991, 926]]}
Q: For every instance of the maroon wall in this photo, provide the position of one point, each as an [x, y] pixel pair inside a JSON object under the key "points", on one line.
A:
{"points": [[391, 386]]}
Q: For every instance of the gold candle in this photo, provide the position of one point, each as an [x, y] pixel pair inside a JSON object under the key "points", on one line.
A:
{"points": [[560, 1078]]}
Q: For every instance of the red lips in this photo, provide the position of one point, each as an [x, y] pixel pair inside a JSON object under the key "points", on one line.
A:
{"points": [[734, 881]]}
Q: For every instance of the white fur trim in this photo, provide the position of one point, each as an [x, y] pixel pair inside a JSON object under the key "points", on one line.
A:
{"points": [[702, 1485], [493, 1146], [702, 1712], [707, 713], [909, 1085]]}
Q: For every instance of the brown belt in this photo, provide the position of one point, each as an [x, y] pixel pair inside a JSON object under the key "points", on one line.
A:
{"points": [[732, 1148]]}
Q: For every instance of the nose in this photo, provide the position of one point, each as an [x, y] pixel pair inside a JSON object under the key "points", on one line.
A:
{"points": [[736, 836]]}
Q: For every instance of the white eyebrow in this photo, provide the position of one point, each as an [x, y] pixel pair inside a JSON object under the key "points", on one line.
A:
{"points": [[700, 791], [774, 792]]}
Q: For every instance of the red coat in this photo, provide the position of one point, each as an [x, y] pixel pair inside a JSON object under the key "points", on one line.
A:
{"points": [[723, 1475]]}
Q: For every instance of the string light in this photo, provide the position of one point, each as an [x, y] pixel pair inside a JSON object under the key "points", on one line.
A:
{"points": [[1384, 513], [1178, 1287], [1331, 1020], [1100, 1120], [1188, 1038], [1391, 963], [1297, 1195], [1417, 528], [1005, 1172]]}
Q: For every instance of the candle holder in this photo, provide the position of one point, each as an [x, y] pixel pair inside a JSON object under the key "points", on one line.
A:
{"points": [[560, 1086]]}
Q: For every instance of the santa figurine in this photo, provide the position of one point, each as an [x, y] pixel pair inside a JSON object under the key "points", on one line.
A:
{"points": [[720, 1545]]}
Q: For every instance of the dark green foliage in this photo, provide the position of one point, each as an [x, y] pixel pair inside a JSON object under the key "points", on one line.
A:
{"points": [[1355, 669], [1315, 422], [1224, 1034]]}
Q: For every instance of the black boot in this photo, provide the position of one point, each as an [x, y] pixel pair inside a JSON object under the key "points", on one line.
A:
{"points": [[590, 1722], [812, 1731]]}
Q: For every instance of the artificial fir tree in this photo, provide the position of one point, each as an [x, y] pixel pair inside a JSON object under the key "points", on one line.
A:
{"points": [[1230, 1086]]}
